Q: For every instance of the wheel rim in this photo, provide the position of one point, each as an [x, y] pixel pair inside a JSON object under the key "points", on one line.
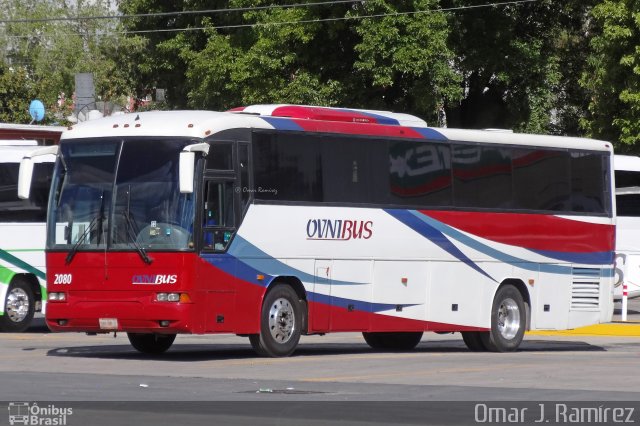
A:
{"points": [[17, 305], [281, 320], [508, 319]]}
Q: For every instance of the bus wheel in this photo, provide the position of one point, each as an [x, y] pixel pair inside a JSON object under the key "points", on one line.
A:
{"points": [[402, 341], [280, 323], [508, 321], [152, 344], [473, 340], [19, 307]]}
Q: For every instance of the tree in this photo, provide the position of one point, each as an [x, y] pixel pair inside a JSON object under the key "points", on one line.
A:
{"points": [[612, 76], [17, 89], [52, 51], [320, 54], [519, 64]]}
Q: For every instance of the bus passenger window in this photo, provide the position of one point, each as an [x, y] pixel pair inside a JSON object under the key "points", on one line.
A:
{"points": [[218, 213]]}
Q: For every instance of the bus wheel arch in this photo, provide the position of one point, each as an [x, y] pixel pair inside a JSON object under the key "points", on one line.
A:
{"points": [[19, 303], [34, 283], [509, 317], [298, 287], [282, 318]]}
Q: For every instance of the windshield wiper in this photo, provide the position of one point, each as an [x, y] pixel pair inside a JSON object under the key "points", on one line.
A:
{"points": [[132, 232], [95, 221], [132, 238]]}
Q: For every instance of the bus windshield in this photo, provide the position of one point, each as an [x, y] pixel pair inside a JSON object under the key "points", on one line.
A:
{"points": [[119, 194]]}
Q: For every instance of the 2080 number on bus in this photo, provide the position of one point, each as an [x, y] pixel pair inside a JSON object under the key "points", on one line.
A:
{"points": [[62, 278]]}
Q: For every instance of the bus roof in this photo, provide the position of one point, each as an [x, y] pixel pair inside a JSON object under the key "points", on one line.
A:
{"points": [[43, 134], [627, 162], [18, 142], [15, 153], [201, 124]]}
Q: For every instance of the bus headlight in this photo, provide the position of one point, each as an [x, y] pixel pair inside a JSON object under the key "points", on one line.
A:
{"points": [[173, 297], [57, 297]]}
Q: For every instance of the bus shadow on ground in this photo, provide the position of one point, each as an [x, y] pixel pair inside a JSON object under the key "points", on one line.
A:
{"points": [[209, 352]]}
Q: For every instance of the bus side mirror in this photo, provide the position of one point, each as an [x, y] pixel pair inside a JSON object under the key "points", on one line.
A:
{"points": [[25, 175], [24, 178], [187, 165]]}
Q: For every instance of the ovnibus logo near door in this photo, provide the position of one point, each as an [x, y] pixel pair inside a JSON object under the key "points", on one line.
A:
{"points": [[339, 229]]}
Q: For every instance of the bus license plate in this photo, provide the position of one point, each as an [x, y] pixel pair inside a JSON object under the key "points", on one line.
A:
{"points": [[108, 323]]}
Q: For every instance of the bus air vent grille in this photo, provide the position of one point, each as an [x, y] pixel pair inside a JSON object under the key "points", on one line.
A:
{"points": [[585, 289]]}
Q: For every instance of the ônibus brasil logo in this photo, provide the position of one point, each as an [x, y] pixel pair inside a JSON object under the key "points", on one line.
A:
{"points": [[339, 229]]}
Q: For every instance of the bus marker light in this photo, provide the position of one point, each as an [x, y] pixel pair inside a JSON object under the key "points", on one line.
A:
{"points": [[260, 277], [531, 282], [57, 297], [405, 281]]}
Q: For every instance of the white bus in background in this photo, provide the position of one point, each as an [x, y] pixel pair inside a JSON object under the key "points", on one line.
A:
{"points": [[627, 175], [22, 224]]}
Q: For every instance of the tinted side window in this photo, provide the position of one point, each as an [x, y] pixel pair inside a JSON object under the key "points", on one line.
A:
{"points": [[243, 165], [587, 182], [14, 209], [628, 205], [351, 170], [541, 180], [482, 176], [627, 179], [287, 167], [419, 173], [220, 156]]}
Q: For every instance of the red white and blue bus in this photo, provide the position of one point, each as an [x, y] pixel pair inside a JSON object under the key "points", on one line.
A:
{"points": [[273, 221]]}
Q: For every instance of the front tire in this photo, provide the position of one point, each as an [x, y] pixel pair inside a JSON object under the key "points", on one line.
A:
{"points": [[399, 341], [19, 307], [151, 344], [280, 323], [508, 321]]}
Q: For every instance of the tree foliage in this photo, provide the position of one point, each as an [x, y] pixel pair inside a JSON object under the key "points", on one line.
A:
{"points": [[51, 52], [461, 63], [612, 75]]}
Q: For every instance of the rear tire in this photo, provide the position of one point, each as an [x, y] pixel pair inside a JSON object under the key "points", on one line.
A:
{"points": [[19, 307], [508, 321], [401, 341], [151, 344], [280, 323], [473, 340]]}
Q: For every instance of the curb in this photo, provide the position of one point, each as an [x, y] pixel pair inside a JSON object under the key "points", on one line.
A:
{"points": [[626, 329]]}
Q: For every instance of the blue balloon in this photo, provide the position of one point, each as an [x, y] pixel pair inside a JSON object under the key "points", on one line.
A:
{"points": [[36, 110]]}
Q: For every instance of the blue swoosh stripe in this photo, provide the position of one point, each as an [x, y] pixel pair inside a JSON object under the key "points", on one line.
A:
{"points": [[491, 252], [248, 255], [436, 236], [596, 258], [282, 123], [430, 134], [359, 305]]}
